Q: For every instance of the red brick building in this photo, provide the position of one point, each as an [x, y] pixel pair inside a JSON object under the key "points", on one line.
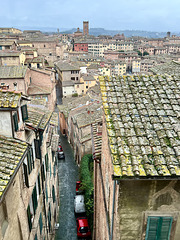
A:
{"points": [[79, 47]]}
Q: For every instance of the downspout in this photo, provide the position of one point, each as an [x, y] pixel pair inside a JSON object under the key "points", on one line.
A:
{"points": [[112, 219]]}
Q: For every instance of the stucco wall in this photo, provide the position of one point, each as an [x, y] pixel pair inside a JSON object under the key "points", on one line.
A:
{"points": [[138, 199]]}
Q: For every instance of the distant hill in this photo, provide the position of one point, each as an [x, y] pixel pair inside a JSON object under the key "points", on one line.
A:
{"points": [[127, 33], [101, 31]]}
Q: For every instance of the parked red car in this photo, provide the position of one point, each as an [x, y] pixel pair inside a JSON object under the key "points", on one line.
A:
{"points": [[83, 230], [60, 149]]}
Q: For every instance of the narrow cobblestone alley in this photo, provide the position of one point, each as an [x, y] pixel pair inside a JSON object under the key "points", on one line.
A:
{"points": [[68, 175]]}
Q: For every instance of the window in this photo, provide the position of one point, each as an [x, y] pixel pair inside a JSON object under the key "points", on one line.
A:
{"points": [[53, 194], [72, 78], [76, 78], [29, 215], [40, 223], [49, 218], [24, 112], [34, 199], [37, 148], [158, 228], [26, 180], [15, 119], [46, 162]]}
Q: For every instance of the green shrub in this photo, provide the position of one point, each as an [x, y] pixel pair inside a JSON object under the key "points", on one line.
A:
{"points": [[75, 95], [86, 177]]}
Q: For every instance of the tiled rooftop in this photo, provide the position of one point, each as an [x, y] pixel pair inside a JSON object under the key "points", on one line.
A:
{"points": [[54, 119], [168, 68], [37, 117], [142, 116], [64, 66], [11, 152], [13, 71], [38, 90], [9, 99]]}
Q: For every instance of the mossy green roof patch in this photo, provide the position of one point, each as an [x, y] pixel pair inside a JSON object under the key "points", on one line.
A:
{"points": [[142, 121], [9, 99], [11, 152]]}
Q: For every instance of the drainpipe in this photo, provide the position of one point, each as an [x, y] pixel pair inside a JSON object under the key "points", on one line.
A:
{"points": [[112, 219]]}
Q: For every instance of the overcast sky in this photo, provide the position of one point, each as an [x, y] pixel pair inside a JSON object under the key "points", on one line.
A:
{"points": [[150, 15]]}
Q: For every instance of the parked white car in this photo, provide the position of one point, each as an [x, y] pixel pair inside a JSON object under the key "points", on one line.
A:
{"points": [[79, 206]]}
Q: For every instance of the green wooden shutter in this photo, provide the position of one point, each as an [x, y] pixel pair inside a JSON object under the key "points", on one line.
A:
{"points": [[35, 238], [53, 194], [15, 119], [49, 218], [34, 198], [39, 184], [32, 157], [43, 173], [158, 228], [29, 218], [26, 175], [166, 223], [29, 162], [37, 148], [24, 112], [46, 162], [40, 223]]}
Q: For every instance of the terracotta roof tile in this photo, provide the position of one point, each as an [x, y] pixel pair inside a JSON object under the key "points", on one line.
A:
{"points": [[143, 124]]}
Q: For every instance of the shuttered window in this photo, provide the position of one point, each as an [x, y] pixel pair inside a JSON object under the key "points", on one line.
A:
{"points": [[158, 228], [46, 162], [49, 218], [34, 199], [35, 238], [15, 119], [24, 112], [29, 162], [39, 184], [37, 148], [29, 218], [40, 223], [53, 194], [46, 195], [26, 175], [42, 173]]}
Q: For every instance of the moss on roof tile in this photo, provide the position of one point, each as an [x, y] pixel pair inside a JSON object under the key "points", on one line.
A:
{"points": [[11, 152], [141, 114]]}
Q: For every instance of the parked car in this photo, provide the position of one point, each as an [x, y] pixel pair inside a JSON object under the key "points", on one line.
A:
{"points": [[61, 155], [78, 186], [79, 206], [60, 149], [60, 152], [83, 230]]}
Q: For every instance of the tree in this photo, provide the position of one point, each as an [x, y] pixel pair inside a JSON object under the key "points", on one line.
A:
{"points": [[145, 53]]}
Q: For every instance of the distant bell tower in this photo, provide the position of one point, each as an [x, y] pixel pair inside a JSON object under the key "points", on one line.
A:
{"points": [[168, 34], [85, 28]]}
